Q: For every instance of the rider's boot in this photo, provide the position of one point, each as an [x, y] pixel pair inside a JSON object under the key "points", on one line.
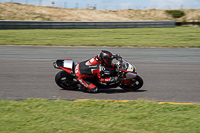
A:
{"points": [[93, 90]]}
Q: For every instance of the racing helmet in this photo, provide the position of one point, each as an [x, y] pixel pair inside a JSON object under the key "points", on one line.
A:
{"points": [[106, 58]]}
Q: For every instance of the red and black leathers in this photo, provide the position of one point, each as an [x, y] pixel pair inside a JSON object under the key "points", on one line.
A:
{"points": [[91, 68]]}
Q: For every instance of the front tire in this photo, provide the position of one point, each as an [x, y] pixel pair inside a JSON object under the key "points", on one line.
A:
{"points": [[136, 84], [65, 81]]}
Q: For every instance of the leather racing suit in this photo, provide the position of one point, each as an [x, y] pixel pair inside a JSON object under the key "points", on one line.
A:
{"points": [[91, 68]]}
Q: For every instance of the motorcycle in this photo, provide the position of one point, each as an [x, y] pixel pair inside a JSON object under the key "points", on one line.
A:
{"points": [[128, 79]]}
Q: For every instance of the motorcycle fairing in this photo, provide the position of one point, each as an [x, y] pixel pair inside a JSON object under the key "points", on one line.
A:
{"points": [[130, 72], [65, 64], [129, 66]]}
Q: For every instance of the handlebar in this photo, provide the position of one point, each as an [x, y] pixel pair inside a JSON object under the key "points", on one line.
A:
{"points": [[117, 57], [120, 66]]}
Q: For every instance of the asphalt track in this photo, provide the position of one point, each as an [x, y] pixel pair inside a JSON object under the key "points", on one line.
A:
{"points": [[169, 74]]}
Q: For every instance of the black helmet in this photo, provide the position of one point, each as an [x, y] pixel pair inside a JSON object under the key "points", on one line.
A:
{"points": [[106, 58]]}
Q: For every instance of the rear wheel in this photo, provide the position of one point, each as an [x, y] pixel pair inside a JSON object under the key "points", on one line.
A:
{"points": [[136, 84], [65, 81]]}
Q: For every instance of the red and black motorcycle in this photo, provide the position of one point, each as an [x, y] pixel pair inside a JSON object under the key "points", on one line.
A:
{"points": [[128, 78]]}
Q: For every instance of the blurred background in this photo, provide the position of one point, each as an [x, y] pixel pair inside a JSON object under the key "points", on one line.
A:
{"points": [[101, 10], [114, 4]]}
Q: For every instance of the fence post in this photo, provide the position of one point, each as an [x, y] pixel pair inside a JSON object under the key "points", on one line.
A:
{"points": [[53, 3], [76, 6]]}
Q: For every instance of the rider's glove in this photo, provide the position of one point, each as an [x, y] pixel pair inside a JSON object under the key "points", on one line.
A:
{"points": [[117, 56], [114, 79]]}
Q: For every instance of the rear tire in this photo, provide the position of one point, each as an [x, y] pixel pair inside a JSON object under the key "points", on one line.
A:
{"points": [[65, 81], [136, 84]]}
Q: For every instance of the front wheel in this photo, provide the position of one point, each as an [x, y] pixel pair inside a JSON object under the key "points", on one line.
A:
{"points": [[65, 81], [136, 84]]}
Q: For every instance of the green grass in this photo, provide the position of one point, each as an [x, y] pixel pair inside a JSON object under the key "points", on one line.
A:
{"points": [[138, 37], [43, 116]]}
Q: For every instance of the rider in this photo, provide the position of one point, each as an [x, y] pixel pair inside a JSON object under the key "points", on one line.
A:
{"points": [[95, 67]]}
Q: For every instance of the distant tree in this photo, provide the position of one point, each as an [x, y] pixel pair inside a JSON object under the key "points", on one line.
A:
{"points": [[175, 13]]}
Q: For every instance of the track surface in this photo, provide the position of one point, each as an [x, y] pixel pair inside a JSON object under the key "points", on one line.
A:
{"points": [[169, 74]]}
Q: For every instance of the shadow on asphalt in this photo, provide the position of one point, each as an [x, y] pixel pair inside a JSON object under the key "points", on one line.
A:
{"points": [[109, 91]]}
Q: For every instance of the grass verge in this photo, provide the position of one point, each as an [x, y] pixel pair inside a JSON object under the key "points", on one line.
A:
{"points": [[37, 115], [136, 37]]}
